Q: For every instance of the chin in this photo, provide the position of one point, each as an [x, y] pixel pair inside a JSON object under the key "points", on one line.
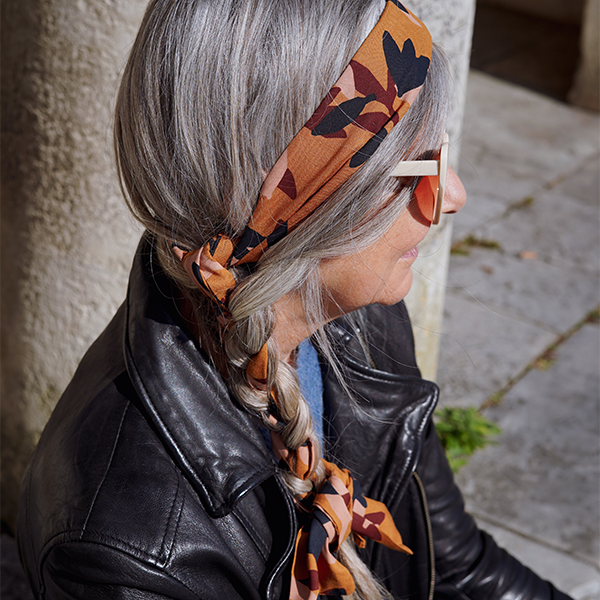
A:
{"points": [[396, 289]]}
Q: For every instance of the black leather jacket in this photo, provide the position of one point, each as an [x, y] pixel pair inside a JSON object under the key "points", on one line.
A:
{"points": [[150, 482]]}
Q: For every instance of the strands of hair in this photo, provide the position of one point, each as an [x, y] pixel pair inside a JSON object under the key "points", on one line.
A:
{"points": [[211, 95]]}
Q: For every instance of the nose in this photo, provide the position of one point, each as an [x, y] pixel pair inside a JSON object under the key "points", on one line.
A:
{"points": [[455, 195]]}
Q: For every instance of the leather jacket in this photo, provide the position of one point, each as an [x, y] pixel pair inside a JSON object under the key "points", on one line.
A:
{"points": [[149, 481]]}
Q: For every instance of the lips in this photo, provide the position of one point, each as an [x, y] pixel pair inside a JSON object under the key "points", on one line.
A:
{"points": [[412, 253]]}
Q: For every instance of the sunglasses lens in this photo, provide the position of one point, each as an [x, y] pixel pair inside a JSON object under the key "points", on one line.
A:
{"points": [[426, 195]]}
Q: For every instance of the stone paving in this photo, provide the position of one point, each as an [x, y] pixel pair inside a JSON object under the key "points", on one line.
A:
{"points": [[521, 336], [530, 166]]}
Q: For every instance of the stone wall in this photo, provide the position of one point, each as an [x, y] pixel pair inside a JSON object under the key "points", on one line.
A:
{"points": [[586, 88], [67, 239], [586, 84]]}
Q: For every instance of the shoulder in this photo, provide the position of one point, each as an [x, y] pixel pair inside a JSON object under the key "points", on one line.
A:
{"points": [[105, 502], [99, 477]]}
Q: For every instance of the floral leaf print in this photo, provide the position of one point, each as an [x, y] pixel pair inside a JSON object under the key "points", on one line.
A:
{"points": [[367, 150], [324, 108], [407, 71], [279, 232], [364, 81], [371, 121], [400, 6], [342, 115], [248, 240], [288, 184]]}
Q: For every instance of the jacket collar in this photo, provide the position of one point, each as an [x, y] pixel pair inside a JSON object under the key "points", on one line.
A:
{"points": [[216, 444], [384, 421], [219, 446]]}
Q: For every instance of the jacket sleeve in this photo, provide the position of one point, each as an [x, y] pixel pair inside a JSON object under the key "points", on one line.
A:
{"points": [[469, 565], [90, 570]]}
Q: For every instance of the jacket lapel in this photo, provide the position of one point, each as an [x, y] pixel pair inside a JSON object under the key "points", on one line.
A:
{"points": [[377, 432], [216, 444]]}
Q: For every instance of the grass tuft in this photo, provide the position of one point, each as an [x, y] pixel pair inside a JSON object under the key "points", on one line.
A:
{"points": [[462, 431], [464, 246], [525, 203]]}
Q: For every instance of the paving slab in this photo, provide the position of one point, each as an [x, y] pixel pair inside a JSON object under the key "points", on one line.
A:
{"points": [[576, 577], [585, 184], [542, 478], [514, 143], [562, 230], [528, 290], [481, 350], [528, 129]]}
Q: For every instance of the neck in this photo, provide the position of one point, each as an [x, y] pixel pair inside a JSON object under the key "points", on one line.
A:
{"points": [[291, 327]]}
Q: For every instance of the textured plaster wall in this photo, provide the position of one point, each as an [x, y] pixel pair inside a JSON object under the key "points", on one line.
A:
{"points": [[67, 239], [451, 24], [586, 88]]}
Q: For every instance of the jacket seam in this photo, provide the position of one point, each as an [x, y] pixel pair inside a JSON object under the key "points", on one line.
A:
{"points": [[460, 594], [40, 579], [375, 374], [175, 531], [252, 533], [98, 537], [162, 552], [112, 455]]}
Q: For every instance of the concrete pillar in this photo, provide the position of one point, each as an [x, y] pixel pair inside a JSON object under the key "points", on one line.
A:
{"points": [[586, 88], [67, 238], [451, 24]]}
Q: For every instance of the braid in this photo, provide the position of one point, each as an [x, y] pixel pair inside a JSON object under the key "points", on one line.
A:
{"points": [[241, 342]]}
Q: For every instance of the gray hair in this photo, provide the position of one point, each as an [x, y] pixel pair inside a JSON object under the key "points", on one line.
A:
{"points": [[212, 94]]}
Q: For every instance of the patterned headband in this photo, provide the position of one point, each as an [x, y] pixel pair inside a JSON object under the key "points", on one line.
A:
{"points": [[374, 92], [372, 95]]}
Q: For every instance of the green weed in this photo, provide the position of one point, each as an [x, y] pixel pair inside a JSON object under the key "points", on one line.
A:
{"points": [[525, 203], [462, 431], [463, 247]]}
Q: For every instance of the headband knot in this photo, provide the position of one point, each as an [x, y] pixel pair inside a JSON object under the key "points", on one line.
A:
{"points": [[208, 267], [338, 510]]}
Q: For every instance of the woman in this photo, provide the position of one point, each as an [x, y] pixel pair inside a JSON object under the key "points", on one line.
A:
{"points": [[256, 142]]}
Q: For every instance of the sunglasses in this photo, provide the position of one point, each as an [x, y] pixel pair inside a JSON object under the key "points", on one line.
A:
{"points": [[429, 194]]}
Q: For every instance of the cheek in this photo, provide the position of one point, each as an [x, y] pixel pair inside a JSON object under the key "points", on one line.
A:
{"points": [[405, 234], [377, 274]]}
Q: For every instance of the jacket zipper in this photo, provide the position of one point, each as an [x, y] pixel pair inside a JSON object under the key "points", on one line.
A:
{"points": [[429, 534]]}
